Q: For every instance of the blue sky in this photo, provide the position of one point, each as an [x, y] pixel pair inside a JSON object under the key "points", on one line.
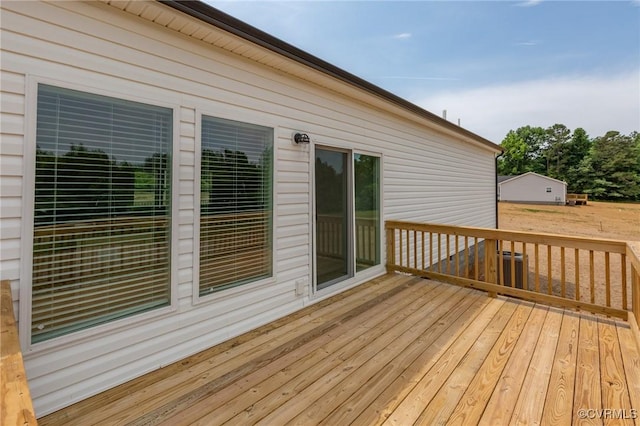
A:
{"points": [[496, 65]]}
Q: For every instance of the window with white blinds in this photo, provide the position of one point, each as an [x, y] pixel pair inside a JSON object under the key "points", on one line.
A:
{"points": [[101, 241], [235, 204]]}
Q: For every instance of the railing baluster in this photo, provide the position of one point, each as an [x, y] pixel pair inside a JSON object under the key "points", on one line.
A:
{"points": [[466, 256], [525, 267], [635, 294], [476, 251], [549, 273], [501, 264], [577, 272], [513, 264], [563, 284], [424, 252], [400, 246], [623, 272], [491, 258], [415, 249], [430, 251], [439, 253], [607, 273], [448, 255], [592, 278], [408, 265], [457, 256], [536, 267]]}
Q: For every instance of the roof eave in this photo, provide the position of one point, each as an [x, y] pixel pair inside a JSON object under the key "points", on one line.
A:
{"points": [[203, 12]]}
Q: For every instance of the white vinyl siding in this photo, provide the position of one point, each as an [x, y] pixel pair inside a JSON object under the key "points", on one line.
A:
{"points": [[12, 101], [533, 188], [426, 174]]}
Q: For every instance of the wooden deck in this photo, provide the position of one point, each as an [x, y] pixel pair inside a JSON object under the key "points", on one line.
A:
{"points": [[396, 350]]}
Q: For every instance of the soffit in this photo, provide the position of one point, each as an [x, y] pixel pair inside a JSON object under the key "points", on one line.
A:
{"points": [[305, 67]]}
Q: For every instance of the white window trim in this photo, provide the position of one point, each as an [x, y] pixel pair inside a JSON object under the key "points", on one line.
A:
{"points": [[28, 201], [358, 278], [248, 287]]}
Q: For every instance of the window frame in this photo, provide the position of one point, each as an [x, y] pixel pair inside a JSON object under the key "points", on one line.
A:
{"points": [[246, 117], [123, 92]]}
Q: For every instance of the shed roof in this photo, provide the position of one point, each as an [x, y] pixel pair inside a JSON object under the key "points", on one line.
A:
{"points": [[512, 178], [503, 178], [206, 13]]}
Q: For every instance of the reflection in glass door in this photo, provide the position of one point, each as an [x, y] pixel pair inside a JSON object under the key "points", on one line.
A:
{"points": [[366, 171], [333, 219]]}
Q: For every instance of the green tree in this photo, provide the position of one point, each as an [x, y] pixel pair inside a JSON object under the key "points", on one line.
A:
{"points": [[607, 167], [612, 170], [555, 149], [577, 151], [523, 151], [513, 159]]}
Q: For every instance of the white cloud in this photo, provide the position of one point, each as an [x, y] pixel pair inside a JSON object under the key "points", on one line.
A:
{"points": [[402, 36], [596, 103], [527, 43], [529, 3]]}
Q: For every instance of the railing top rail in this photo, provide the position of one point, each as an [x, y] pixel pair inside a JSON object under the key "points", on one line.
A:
{"points": [[597, 244]]}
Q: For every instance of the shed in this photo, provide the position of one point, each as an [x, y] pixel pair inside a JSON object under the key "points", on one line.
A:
{"points": [[532, 188], [173, 177]]}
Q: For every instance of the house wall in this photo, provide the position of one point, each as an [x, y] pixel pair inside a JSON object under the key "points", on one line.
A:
{"points": [[427, 176], [532, 188]]}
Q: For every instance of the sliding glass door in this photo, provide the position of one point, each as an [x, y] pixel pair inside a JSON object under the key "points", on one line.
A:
{"points": [[333, 218], [347, 209]]}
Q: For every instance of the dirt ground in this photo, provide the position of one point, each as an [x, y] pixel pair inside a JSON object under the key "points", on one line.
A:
{"points": [[595, 220]]}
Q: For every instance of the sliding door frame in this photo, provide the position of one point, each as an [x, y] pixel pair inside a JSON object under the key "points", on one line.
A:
{"points": [[354, 277]]}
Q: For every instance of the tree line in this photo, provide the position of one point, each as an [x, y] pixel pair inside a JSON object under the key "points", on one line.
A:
{"points": [[87, 184], [605, 167]]}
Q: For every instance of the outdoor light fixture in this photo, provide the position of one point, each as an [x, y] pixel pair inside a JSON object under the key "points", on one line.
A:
{"points": [[301, 138]]}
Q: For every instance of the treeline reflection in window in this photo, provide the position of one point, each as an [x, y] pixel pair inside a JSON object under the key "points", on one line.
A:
{"points": [[236, 211], [101, 248]]}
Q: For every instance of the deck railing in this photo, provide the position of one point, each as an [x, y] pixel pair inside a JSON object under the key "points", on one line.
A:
{"points": [[331, 234], [577, 198], [16, 407], [595, 275]]}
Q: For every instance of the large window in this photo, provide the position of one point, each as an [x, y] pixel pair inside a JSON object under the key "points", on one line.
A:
{"points": [[235, 204], [101, 240]]}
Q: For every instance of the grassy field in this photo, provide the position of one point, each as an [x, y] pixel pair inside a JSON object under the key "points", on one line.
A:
{"points": [[595, 220]]}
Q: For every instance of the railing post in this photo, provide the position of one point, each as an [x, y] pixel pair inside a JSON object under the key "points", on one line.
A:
{"points": [[391, 249], [491, 263]]}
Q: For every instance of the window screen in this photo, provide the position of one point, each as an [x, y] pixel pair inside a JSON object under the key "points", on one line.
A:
{"points": [[102, 206], [235, 204]]}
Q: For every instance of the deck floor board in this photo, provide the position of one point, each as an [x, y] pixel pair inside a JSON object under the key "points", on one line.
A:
{"points": [[396, 350]]}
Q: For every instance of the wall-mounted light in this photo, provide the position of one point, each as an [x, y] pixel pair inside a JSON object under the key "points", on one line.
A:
{"points": [[301, 138]]}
